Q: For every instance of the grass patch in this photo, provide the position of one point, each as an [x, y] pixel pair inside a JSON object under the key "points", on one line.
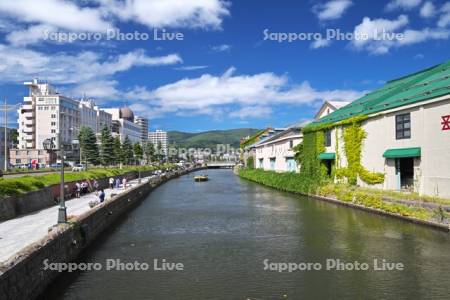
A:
{"points": [[24, 184]]}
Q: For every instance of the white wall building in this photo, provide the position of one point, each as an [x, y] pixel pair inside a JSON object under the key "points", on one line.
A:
{"points": [[159, 136], [408, 132], [123, 124], [143, 124], [46, 114], [275, 152], [328, 107]]}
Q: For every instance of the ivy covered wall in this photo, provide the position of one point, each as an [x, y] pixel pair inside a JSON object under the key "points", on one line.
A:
{"points": [[314, 173]]}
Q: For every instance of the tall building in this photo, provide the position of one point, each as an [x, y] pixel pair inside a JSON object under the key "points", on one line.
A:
{"points": [[159, 136], [94, 117], [143, 123], [123, 124], [46, 115]]}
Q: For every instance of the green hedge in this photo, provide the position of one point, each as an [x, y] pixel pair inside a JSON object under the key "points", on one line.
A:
{"points": [[292, 182], [24, 184]]}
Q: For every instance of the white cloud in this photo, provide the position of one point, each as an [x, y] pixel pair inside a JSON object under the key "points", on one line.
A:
{"points": [[331, 10], [378, 42], [62, 14], [221, 48], [208, 94], [428, 10], [402, 4], [252, 112], [320, 43], [169, 13], [31, 17], [444, 19], [31, 35], [191, 68], [18, 64]]}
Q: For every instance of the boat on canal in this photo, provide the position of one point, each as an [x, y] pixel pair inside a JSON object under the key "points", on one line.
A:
{"points": [[201, 178]]}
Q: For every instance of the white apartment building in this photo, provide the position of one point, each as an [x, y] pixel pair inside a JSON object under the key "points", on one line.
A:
{"points": [[408, 132], [275, 152], [47, 115], [143, 124], [159, 136], [123, 124], [94, 117]]}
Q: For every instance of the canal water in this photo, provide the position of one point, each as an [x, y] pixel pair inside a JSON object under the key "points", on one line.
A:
{"points": [[223, 231]]}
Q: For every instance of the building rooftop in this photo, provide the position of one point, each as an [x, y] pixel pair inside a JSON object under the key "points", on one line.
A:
{"points": [[420, 86]]}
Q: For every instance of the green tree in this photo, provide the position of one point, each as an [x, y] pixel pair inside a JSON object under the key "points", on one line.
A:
{"points": [[138, 153], [88, 145], [149, 150], [106, 147], [118, 154], [127, 151], [159, 152]]}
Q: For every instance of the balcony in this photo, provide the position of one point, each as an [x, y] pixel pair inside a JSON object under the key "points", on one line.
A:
{"points": [[27, 107], [28, 114], [28, 129], [29, 121]]}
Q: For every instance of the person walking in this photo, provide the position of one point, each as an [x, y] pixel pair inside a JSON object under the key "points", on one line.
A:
{"points": [[101, 196], [117, 183], [96, 185], [124, 183], [78, 189], [111, 183]]}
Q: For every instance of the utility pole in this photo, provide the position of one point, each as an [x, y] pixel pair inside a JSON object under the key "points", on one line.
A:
{"points": [[62, 211], [6, 137]]}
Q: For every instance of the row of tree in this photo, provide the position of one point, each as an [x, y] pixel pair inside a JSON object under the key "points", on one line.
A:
{"points": [[111, 151]]}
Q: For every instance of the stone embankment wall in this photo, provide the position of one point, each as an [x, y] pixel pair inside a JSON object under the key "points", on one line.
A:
{"points": [[23, 276], [22, 204]]}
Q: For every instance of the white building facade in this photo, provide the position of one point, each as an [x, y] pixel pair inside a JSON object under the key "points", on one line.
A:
{"points": [[159, 136], [276, 152], [410, 142], [123, 124], [47, 115], [143, 124]]}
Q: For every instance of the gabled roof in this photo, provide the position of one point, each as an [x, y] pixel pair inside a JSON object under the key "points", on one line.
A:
{"points": [[264, 138], [292, 131], [334, 105], [420, 86]]}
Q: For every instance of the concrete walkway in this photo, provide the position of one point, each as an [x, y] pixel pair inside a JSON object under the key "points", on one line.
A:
{"points": [[16, 234]]}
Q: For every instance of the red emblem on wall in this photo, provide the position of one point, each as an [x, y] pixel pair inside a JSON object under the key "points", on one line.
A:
{"points": [[446, 122]]}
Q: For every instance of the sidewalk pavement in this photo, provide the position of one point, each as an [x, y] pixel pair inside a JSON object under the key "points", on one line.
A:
{"points": [[17, 233]]}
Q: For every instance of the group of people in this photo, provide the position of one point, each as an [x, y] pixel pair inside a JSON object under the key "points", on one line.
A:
{"points": [[82, 188], [115, 184]]}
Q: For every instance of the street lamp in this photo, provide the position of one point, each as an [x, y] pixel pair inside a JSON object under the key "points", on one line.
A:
{"points": [[62, 210]]}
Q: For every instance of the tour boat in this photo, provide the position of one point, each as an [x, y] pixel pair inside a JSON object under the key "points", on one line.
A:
{"points": [[201, 178]]}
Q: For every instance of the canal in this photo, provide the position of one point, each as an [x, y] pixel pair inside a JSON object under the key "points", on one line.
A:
{"points": [[223, 230]]}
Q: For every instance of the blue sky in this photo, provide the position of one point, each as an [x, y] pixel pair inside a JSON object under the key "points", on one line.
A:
{"points": [[224, 73]]}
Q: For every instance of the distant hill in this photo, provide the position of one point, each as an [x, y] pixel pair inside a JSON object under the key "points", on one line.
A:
{"points": [[209, 139]]}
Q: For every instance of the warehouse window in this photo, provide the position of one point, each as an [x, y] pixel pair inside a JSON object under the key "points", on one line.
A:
{"points": [[328, 138], [403, 126]]}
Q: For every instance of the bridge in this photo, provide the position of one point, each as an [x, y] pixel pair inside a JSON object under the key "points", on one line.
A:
{"points": [[221, 165]]}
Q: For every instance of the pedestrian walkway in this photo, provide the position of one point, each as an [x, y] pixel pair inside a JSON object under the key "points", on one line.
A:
{"points": [[17, 233]]}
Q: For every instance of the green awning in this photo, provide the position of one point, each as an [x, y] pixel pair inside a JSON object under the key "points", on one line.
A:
{"points": [[403, 152], [327, 156]]}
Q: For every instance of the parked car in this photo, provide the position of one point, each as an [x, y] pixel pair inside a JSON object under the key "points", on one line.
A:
{"points": [[78, 168]]}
